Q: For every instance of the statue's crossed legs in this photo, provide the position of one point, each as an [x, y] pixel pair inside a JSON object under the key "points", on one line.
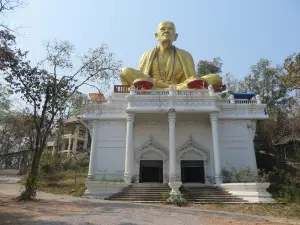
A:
{"points": [[129, 75]]}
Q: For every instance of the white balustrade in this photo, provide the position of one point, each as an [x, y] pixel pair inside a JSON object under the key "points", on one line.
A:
{"points": [[177, 96]]}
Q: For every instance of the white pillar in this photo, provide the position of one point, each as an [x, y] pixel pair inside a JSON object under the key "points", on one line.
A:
{"points": [[232, 101], [69, 145], [86, 139], [75, 139], [63, 145], [251, 126], [93, 150], [129, 154], [172, 149], [173, 182], [215, 138]]}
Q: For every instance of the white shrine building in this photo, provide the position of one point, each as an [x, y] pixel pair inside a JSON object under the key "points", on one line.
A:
{"points": [[163, 136]]}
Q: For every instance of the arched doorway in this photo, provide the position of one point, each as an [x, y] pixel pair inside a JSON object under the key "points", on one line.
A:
{"points": [[193, 162], [151, 160], [151, 167], [192, 168]]}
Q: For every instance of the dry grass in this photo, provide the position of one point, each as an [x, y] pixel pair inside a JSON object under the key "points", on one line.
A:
{"points": [[63, 187], [291, 211], [61, 183]]}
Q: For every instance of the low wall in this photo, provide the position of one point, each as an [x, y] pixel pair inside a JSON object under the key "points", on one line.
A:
{"points": [[102, 190], [251, 192]]}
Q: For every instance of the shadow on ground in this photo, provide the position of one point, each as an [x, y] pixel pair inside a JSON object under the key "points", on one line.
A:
{"points": [[13, 218]]}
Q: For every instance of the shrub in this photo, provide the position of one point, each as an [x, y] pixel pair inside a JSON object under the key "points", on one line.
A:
{"points": [[290, 193], [178, 199], [165, 196], [239, 175]]}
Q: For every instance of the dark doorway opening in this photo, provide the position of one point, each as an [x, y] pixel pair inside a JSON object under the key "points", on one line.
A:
{"points": [[151, 171], [192, 171]]}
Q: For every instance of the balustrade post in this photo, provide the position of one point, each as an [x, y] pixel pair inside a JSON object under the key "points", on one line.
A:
{"points": [[258, 99], [132, 90], [232, 100], [171, 90], [211, 90]]}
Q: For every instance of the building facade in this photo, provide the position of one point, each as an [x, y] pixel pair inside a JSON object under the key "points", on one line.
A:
{"points": [[169, 136]]}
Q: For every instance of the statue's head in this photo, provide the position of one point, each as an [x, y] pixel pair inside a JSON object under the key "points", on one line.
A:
{"points": [[166, 32]]}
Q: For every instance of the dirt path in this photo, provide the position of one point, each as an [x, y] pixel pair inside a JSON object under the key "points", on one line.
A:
{"points": [[67, 210], [52, 212]]}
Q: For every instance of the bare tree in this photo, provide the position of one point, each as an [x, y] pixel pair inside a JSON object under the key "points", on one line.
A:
{"points": [[9, 5], [46, 92]]}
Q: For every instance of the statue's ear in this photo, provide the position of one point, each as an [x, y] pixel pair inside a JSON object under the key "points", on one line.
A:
{"points": [[156, 36], [176, 36]]}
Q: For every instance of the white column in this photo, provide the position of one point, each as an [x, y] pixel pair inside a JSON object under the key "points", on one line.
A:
{"points": [[75, 139], [63, 145], [69, 145], [251, 126], [93, 150], [215, 138], [86, 138], [173, 183], [172, 150], [129, 154]]}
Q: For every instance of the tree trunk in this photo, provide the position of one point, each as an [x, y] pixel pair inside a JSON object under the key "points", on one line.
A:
{"points": [[31, 183]]}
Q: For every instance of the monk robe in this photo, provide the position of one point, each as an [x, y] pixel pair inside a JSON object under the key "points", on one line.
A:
{"points": [[178, 70]]}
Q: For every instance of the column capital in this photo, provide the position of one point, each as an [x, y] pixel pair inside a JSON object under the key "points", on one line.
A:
{"points": [[95, 124], [172, 115], [130, 116], [214, 116]]}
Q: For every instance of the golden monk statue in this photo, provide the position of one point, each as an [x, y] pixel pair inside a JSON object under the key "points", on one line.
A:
{"points": [[166, 65]]}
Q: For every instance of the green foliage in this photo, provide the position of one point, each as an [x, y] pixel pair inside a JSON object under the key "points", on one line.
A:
{"points": [[205, 67], [178, 199], [290, 193], [233, 84], [30, 189], [45, 92], [165, 196], [264, 79], [235, 175], [292, 66], [61, 174], [60, 163], [285, 185]]}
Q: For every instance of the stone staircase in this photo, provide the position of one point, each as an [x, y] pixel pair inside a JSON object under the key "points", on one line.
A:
{"points": [[142, 192], [153, 192], [209, 194]]}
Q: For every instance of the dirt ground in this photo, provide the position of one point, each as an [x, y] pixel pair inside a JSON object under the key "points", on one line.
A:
{"points": [[53, 209], [37, 212]]}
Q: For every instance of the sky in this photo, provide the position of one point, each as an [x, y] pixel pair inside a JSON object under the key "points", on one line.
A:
{"points": [[239, 31]]}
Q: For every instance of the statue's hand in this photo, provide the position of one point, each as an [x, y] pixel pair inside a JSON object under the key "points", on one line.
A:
{"points": [[160, 83]]}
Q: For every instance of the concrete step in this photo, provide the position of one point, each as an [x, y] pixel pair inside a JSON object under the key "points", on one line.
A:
{"points": [[154, 192], [209, 194]]}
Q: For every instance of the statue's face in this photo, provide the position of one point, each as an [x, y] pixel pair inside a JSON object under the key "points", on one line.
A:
{"points": [[166, 32]]}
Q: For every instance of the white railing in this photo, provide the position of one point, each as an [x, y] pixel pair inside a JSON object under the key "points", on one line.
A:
{"points": [[152, 92], [245, 101], [237, 101], [90, 106], [177, 98], [203, 92]]}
